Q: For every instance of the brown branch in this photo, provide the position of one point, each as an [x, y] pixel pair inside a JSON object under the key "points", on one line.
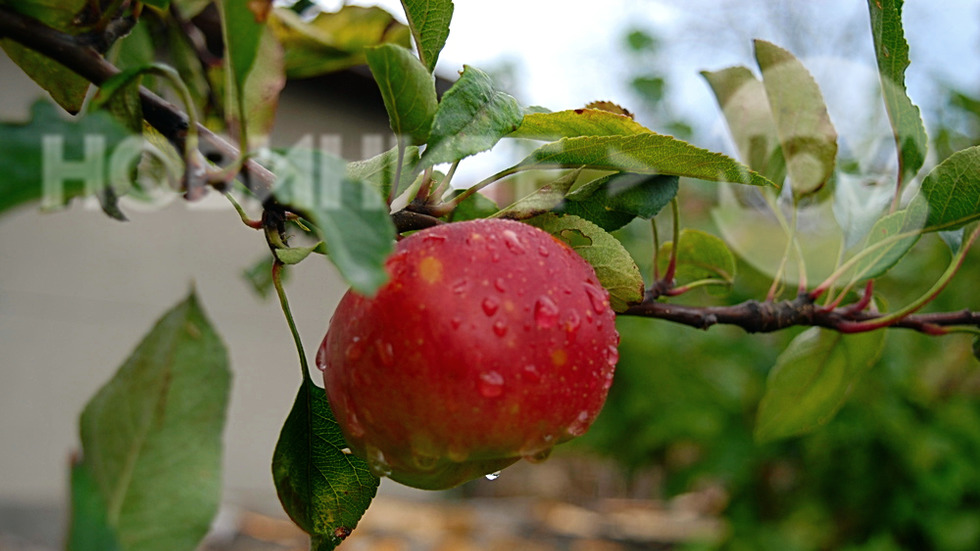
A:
{"points": [[766, 317]]}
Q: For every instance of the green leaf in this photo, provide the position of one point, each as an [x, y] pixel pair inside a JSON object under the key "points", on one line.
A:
{"points": [[408, 90], [242, 27], [334, 41], [812, 379], [295, 255], [155, 430], [66, 87], [350, 216], [259, 276], [322, 487], [429, 20], [700, 256], [544, 199], [891, 238], [89, 529], [645, 153], [379, 171], [807, 137], [473, 207], [613, 201], [80, 157], [263, 84], [576, 122], [892, 52], [952, 190], [472, 117], [612, 263], [743, 101]]}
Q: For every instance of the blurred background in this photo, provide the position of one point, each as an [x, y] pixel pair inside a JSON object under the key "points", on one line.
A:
{"points": [[670, 463]]}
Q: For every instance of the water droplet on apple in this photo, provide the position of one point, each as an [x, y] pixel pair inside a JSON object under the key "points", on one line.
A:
{"points": [[612, 355], [354, 350], [499, 285], [513, 242], [385, 352], [500, 328], [545, 312], [600, 302], [538, 457], [579, 425], [433, 237], [321, 357], [493, 475], [532, 373], [490, 306], [354, 424], [491, 384], [376, 461], [456, 322], [425, 462], [543, 251], [573, 322], [460, 285], [607, 383]]}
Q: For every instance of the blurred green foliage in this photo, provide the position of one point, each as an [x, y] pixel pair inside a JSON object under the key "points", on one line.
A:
{"points": [[897, 468]]}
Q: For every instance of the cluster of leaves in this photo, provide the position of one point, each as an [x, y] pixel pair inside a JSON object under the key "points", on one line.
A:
{"points": [[599, 170]]}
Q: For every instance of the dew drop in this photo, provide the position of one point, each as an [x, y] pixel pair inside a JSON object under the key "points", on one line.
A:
{"points": [[434, 237], [376, 461], [545, 312], [538, 457], [460, 285], [607, 383], [425, 462], [490, 306], [500, 285], [500, 328], [598, 297], [612, 355], [573, 322], [455, 322], [513, 242], [354, 350], [543, 251], [491, 384], [385, 352], [354, 424], [493, 476], [532, 373], [321, 357], [579, 425]]}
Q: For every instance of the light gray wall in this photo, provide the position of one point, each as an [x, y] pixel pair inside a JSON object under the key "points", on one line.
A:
{"points": [[78, 291]]}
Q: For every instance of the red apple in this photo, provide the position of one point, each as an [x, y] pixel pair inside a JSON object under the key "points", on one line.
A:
{"points": [[491, 341]]}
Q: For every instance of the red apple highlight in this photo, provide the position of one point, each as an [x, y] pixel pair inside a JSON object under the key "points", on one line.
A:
{"points": [[492, 341]]}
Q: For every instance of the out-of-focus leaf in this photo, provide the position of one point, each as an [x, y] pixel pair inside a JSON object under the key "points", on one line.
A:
{"points": [[952, 190], [322, 487], [644, 153], [613, 201], [892, 52], [350, 215], [334, 41], [614, 267], [542, 200], [757, 236], [89, 528], [263, 84], [743, 101], [576, 122], [976, 348], [155, 430], [295, 255], [812, 379], [701, 256], [243, 24], [471, 118], [890, 239], [429, 20], [379, 171], [51, 159], [408, 90], [66, 87], [807, 137], [259, 276]]}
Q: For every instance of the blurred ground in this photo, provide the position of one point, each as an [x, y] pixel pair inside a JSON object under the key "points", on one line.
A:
{"points": [[558, 505]]}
